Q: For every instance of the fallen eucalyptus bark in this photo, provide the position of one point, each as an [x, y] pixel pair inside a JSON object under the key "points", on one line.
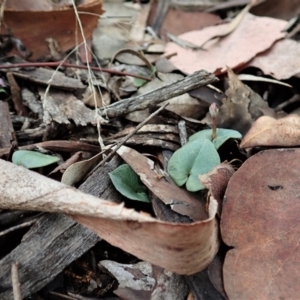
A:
{"points": [[191, 82], [54, 241]]}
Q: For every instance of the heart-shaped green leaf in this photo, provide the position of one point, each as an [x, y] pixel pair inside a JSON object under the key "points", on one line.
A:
{"points": [[194, 158], [222, 136], [33, 159], [128, 183]]}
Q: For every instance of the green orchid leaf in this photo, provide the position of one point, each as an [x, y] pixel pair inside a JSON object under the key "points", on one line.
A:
{"points": [[33, 159], [138, 82], [128, 183], [222, 136], [191, 160]]}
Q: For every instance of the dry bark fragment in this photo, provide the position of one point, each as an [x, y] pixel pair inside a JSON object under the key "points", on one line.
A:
{"points": [[197, 79]]}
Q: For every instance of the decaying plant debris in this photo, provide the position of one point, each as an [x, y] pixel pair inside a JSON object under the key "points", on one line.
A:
{"points": [[144, 149]]}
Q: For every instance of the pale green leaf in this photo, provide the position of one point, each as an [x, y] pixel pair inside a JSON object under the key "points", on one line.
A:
{"points": [[33, 159], [138, 82], [194, 158], [222, 136], [128, 183]]}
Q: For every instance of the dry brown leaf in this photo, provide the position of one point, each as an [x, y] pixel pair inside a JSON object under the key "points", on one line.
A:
{"points": [[276, 62], [33, 23], [181, 248], [69, 162], [216, 181], [93, 98], [209, 94], [279, 9], [233, 24], [78, 170], [253, 35], [260, 220], [215, 274], [189, 20], [34, 5], [267, 131], [241, 107]]}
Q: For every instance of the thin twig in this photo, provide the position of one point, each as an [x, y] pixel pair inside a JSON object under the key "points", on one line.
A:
{"points": [[15, 280], [127, 137], [293, 99], [67, 65], [63, 296], [23, 225]]}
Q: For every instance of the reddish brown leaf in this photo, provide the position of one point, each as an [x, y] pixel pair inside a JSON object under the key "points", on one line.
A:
{"points": [[215, 273], [267, 131], [260, 220], [279, 9], [252, 36], [33, 23], [276, 62], [189, 20], [216, 181]]}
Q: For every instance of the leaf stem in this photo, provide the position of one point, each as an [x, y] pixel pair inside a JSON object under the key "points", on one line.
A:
{"points": [[64, 64], [214, 110]]}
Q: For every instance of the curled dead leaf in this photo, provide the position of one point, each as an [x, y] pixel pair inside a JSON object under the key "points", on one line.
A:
{"points": [[267, 131], [216, 181], [181, 248]]}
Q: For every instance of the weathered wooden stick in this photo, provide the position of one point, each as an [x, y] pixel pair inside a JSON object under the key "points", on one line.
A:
{"points": [[191, 82]]}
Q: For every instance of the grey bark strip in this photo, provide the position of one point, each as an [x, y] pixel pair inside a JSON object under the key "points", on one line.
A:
{"points": [[54, 241], [191, 82]]}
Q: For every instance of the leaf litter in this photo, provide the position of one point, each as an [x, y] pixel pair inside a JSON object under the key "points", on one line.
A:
{"points": [[234, 50], [260, 221], [83, 112]]}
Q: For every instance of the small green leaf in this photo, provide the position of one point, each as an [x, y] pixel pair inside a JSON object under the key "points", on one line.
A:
{"points": [[138, 82], [222, 136], [33, 159], [194, 158], [3, 91], [128, 183]]}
